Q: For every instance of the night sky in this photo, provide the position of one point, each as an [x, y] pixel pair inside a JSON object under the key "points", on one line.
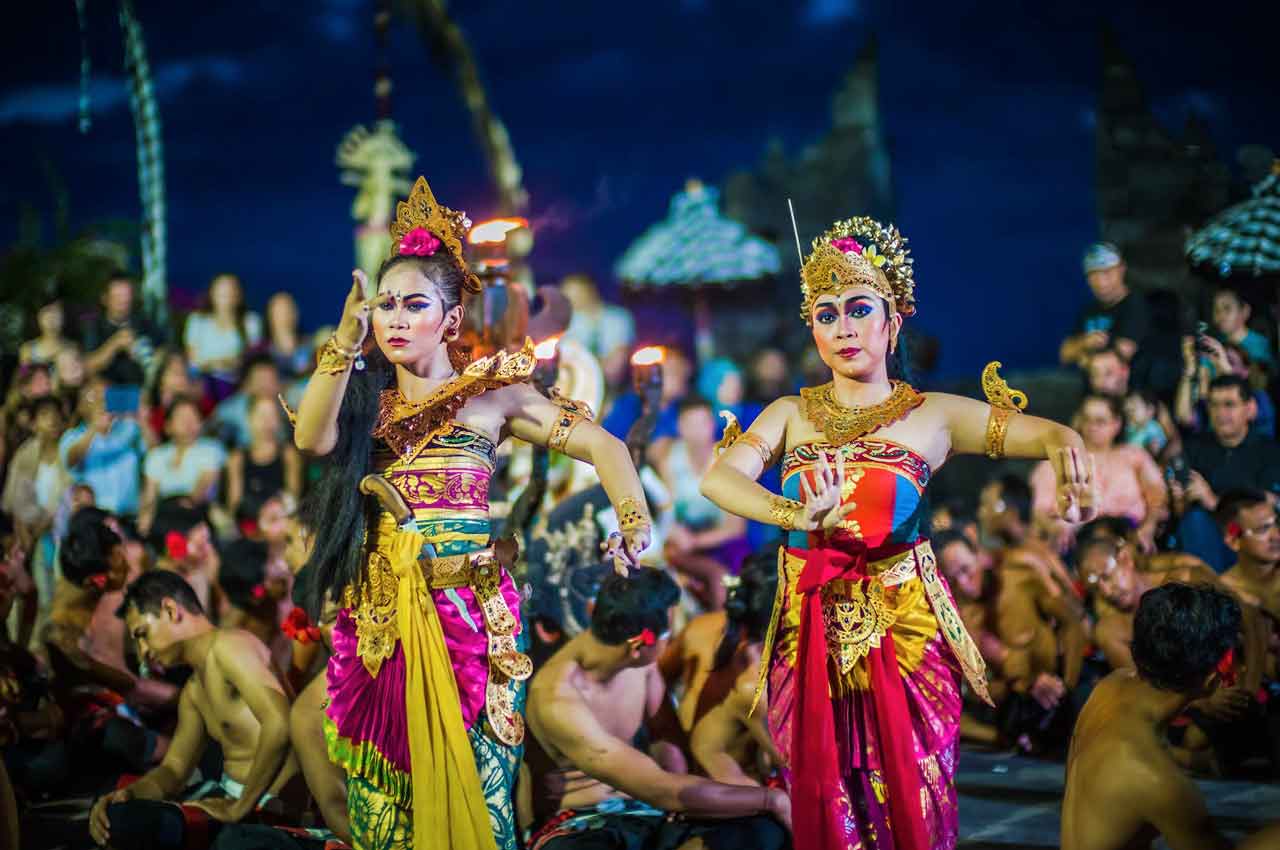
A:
{"points": [[988, 114]]}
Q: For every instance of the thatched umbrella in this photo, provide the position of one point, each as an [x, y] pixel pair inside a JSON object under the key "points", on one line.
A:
{"points": [[1243, 241], [696, 249]]}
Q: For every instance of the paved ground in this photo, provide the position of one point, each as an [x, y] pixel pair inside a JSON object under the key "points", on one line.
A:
{"points": [[1012, 801]]}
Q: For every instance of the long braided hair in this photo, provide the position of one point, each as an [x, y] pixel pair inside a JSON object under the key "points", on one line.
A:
{"points": [[334, 506]]}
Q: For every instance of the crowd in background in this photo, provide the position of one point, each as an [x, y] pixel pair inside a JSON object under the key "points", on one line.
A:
{"points": [[176, 440]]}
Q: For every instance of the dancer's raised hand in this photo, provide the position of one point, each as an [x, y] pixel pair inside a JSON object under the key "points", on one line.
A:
{"points": [[822, 499], [354, 324], [1077, 484]]}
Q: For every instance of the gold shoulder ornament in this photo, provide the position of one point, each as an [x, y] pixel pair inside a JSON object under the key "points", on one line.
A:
{"points": [[406, 426], [1005, 401]]}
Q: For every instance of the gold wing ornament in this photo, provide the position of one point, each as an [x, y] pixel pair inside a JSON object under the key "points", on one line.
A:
{"points": [[1005, 402]]}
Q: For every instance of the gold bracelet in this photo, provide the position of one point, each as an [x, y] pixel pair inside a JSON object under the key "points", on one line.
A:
{"points": [[333, 359], [630, 515], [785, 513], [758, 443], [565, 422], [997, 429]]}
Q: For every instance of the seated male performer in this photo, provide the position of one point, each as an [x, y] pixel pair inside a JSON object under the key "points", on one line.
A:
{"points": [[1123, 787], [729, 742], [232, 697], [592, 786], [1111, 576]]}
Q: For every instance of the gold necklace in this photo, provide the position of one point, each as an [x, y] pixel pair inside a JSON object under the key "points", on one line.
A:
{"points": [[841, 424]]}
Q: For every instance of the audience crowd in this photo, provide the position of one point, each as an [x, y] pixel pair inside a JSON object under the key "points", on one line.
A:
{"points": [[150, 542]]}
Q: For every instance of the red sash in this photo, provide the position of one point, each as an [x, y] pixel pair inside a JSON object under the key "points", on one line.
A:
{"points": [[815, 763]]}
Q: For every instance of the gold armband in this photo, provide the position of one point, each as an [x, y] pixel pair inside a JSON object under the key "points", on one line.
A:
{"points": [[785, 513], [1004, 402], [631, 516], [760, 445], [571, 413], [333, 359]]}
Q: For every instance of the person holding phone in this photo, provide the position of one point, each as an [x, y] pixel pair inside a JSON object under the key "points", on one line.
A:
{"points": [[105, 450]]}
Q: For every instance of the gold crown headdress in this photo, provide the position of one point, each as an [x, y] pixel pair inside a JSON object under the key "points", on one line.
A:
{"points": [[859, 251], [428, 224]]}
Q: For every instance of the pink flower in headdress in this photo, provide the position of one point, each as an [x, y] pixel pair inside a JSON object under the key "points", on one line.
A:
{"points": [[420, 242], [846, 244]]}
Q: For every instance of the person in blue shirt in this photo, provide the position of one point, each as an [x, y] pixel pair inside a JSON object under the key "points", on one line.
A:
{"points": [[105, 452]]}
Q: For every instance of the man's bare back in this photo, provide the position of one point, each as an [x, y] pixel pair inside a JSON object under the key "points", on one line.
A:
{"points": [[619, 706], [732, 743], [1123, 786]]}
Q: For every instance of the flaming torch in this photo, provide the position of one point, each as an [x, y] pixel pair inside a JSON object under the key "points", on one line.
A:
{"points": [[646, 379]]}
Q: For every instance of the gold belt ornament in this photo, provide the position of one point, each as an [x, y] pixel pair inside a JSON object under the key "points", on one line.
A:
{"points": [[856, 615]]}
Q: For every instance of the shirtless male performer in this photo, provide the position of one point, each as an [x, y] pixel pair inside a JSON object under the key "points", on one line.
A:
{"points": [[232, 697], [1110, 574], [592, 787], [1123, 787]]}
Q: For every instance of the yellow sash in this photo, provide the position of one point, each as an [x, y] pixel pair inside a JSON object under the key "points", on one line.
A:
{"points": [[449, 807]]}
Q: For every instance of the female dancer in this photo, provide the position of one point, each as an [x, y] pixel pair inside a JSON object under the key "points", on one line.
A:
{"points": [[863, 652], [426, 683]]}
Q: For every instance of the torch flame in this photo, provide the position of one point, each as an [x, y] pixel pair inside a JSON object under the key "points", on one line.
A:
{"points": [[648, 356], [546, 349], [495, 230]]}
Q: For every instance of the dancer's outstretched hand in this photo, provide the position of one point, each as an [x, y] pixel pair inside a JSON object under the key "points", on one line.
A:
{"points": [[1077, 484], [625, 549]]}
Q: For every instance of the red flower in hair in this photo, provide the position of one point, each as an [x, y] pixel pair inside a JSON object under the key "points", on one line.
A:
{"points": [[175, 545], [1227, 668], [99, 581], [647, 637], [259, 592], [420, 242], [297, 626], [1234, 529]]}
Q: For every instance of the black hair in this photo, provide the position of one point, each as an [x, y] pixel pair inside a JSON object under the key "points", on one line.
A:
{"points": [[1222, 382], [1113, 404], [943, 539], [243, 567], [148, 591], [334, 506], [47, 401], [162, 359], [625, 606], [1180, 633], [175, 514], [1233, 501], [1234, 293], [1016, 494], [86, 550], [749, 606], [179, 402], [253, 361], [1104, 527], [693, 401]]}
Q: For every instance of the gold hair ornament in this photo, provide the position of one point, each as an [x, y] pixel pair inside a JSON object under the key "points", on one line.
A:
{"points": [[859, 251], [1005, 402], [422, 210]]}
